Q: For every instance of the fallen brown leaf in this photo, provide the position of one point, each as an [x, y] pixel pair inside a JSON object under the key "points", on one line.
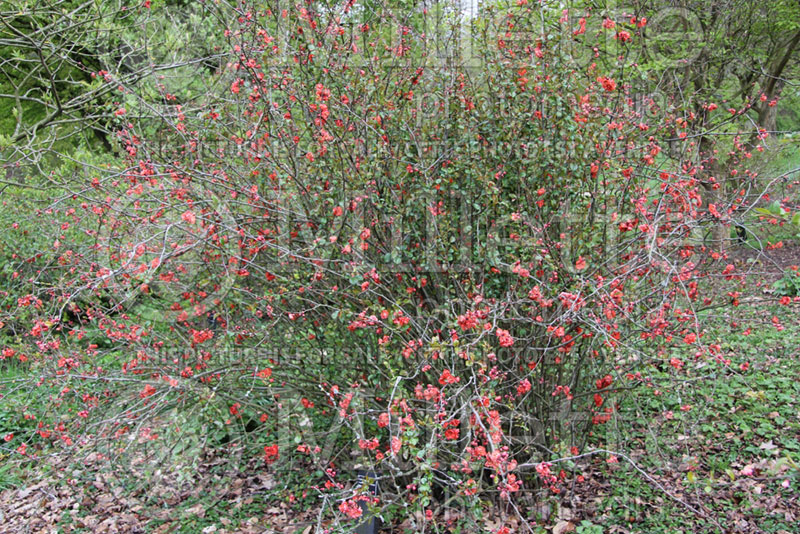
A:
{"points": [[562, 527]]}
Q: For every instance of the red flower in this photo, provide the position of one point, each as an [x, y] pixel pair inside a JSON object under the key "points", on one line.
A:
{"points": [[264, 373], [370, 444], [504, 338], [467, 321], [604, 382], [199, 336], [271, 453], [447, 378], [623, 36], [607, 83], [351, 509], [383, 420], [323, 94], [581, 28]]}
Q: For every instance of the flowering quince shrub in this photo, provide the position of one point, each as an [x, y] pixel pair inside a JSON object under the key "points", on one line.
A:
{"points": [[439, 270]]}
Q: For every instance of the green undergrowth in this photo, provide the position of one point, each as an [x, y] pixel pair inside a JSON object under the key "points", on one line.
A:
{"points": [[723, 439]]}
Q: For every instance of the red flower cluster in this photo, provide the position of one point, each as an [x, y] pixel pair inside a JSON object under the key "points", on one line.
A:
{"points": [[607, 83], [271, 453], [504, 337], [447, 378]]}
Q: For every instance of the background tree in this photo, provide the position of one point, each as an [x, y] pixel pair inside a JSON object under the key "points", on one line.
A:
{"points": [[732, 63], [71, 68]]}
